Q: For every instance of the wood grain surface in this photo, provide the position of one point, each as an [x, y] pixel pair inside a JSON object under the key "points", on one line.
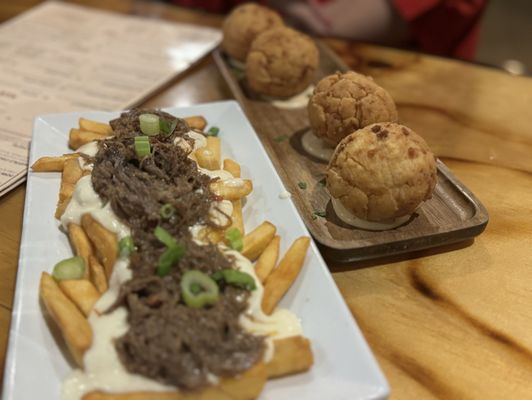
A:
{"points": [[446, 323]]}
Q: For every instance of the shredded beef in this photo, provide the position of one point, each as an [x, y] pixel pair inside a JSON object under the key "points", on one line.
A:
{"points": [[167, 340]]}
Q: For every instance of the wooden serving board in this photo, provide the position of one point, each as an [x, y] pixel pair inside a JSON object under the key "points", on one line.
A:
{"points": [[453, 214]]}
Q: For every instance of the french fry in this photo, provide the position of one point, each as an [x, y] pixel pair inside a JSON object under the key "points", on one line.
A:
{"points": [[232, 167], [74, 327], [72, 172], [81, 244], [96, 127], [236, 217], [215, 146], [285, 274], [209, 156], [78, 138], [256, 241], [52, 164], [291, 356], [232, 189], [206, 158], [196, 122], [267, 260], [103, 240], [97, 274], [245, 386], [82, 293]]}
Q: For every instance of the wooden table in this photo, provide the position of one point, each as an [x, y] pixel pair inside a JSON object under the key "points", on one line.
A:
{"points": [[452, 322]]}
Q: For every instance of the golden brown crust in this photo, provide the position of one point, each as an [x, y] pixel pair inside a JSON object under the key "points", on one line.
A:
{"points": [[381, 172], [343, 103], [243, 25], [281, 62]]}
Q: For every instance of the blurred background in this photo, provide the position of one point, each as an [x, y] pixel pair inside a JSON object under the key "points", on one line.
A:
{"points": [[491, 32]]}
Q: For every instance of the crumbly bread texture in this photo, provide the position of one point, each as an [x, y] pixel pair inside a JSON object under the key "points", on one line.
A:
{"points": [[243, 25], [344, 102], [381, 172], [281, 62]]}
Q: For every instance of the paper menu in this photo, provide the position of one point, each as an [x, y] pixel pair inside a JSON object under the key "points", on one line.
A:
{"points": [[61, 57]]}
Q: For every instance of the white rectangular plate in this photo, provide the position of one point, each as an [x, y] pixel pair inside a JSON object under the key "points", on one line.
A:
{"points": [[36, 364]]}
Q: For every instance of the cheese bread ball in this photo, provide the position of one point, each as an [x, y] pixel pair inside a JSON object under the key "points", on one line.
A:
{"points": [[281, 62], [343, 103], [381, 172], [243, 25]]}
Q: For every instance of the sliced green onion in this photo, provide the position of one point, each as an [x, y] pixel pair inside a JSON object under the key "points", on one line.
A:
{"points": [[236, 278], [164, 236], [167, 211], [126, 246], [167, 127], [149, 124], [234, 239], [169, 258], [198, 289], [280, 138], [302, 185], [70, 268], [214, 131], [142, 146], [320, 214]]}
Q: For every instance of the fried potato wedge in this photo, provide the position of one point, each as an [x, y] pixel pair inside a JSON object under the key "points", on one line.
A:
{"points": [[78, 138], [268, 259], [97, 274], [237, 218], [232, 189], [52, 164], [246, 386], [256, 241], [95, 126], [73, 325], [104, 241], [82, 293], [196, 122], [232, 167], [81, 244], [206, 159], [291, 356], [285, 274], [72, 172]]}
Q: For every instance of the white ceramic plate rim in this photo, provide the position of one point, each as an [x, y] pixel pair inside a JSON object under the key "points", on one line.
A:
{"points": [[344, 366]]}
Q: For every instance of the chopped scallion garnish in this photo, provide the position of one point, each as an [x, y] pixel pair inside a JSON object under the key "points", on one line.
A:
{"points": [[149, 124], [302, 185], [234, 239], [320, 214], [280, 138], [167, 127], [126, 246], [169, 258], [236, 278], [167, 211], [213, 131], [142, 146], [164, 236], [198, 289], [70, 268]]}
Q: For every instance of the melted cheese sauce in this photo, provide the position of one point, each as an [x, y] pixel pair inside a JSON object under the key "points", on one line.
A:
{"points": [[86, 200], [280, 324], [300, 100], [90, 149], [316, 147], [102, 367], [349, 218]]}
